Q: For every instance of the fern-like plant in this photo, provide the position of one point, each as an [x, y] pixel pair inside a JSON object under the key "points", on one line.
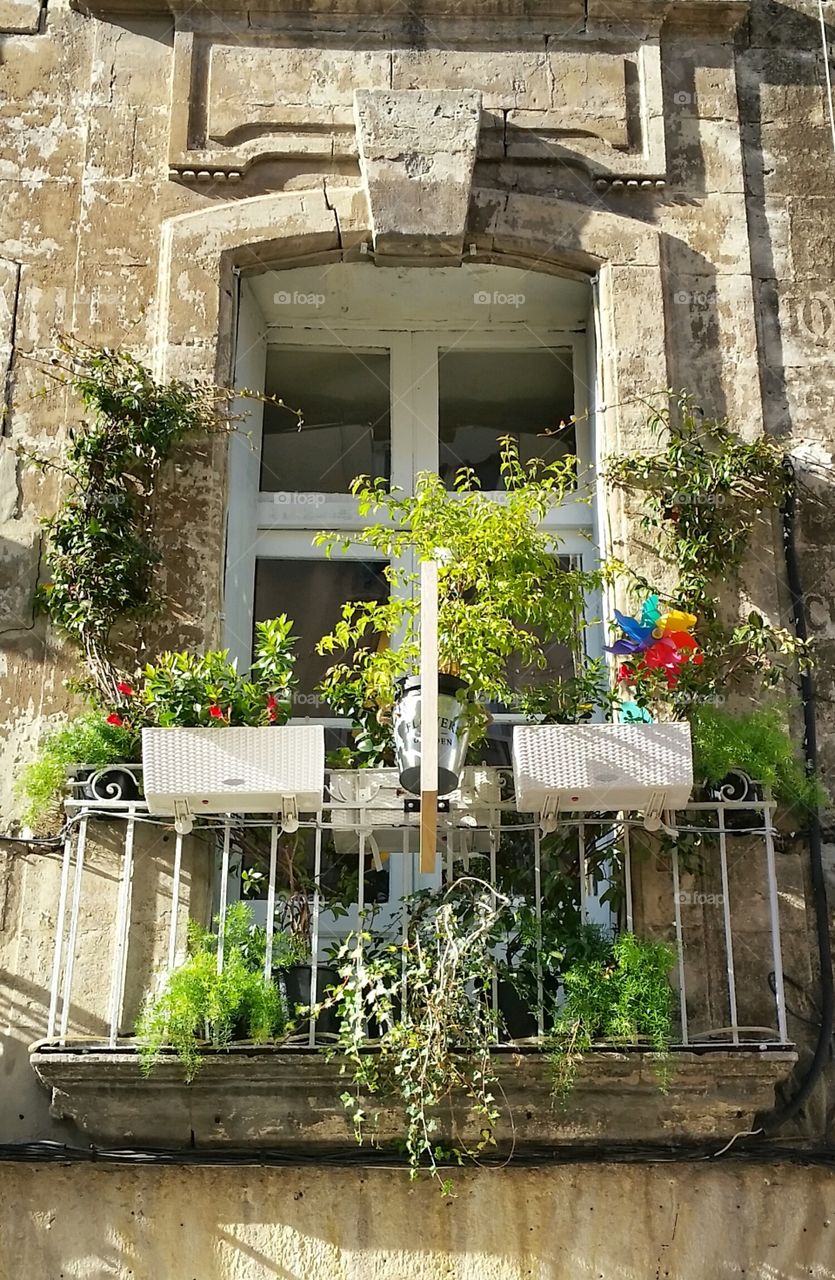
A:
{"points": [[619, 994], [757, 744], [87, 739], [199, 1005]]}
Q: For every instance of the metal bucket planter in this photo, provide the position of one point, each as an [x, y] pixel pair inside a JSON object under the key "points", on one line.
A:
{"points": [[453, 733]]}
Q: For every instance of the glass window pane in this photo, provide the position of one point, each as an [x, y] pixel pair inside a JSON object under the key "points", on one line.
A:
{"points": [[487, 394], [345, 399], [312, 593]]}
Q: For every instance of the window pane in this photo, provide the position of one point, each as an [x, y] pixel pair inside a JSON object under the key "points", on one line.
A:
{"points": [[312, 593], [487, 394], [346, 403]]}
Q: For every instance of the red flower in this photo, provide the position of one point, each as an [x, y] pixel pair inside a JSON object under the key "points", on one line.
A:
{"points": [[271, 702], [216, 712], [271, 713], [113, 718], [125, 688]]}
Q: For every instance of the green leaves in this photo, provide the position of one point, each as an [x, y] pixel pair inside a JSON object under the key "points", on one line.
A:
{"points": [[619, 993], [86, 739], [100, 553], [199, 1004], [187, 689], [427, 998], [756, 744], [503, 594]]}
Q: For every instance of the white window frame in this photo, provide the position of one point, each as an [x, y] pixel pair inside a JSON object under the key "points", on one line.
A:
{"points": [[281, 524]]}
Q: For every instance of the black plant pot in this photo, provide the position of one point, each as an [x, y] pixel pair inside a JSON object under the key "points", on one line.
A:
{"points": [[519, 1019], [296, 985], [108, 782], [737, 786]]}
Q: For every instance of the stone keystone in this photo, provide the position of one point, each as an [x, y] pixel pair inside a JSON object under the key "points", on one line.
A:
{"points": [[417, 155]]}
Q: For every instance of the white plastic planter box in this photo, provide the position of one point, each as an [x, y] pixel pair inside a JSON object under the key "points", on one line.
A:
{"points": [[279, 769], [644, 767]]}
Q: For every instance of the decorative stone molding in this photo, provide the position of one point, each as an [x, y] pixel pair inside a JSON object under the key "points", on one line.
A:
{"points": [[202, 251], [242, 95], [289, 1098], [417, 156]]}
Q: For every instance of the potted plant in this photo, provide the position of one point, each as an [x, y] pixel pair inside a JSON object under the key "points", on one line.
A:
{"points": [[502, 595], [214, 741], [740, 756], [618, 992], [200, 1007]]}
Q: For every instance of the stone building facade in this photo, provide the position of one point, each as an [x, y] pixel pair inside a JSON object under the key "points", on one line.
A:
{"points": [[183, 178]]}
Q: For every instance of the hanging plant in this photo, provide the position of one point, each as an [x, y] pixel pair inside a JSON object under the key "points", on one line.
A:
{"points": [[427, 997]]}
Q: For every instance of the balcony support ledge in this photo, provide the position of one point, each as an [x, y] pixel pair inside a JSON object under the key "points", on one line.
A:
{"points": [[288, 1098]]}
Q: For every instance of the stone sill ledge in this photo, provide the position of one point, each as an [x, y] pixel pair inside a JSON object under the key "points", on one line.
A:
{"points": [[289, 1098]]}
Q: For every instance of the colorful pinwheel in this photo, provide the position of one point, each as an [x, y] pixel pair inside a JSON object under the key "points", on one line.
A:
{"points": [[655, 641]]}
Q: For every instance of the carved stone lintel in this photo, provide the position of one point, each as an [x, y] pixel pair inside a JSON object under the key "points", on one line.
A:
{"points": [[417, 156]]}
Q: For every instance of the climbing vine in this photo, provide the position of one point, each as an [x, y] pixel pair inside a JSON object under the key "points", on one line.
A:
{"points": [[100, 545], [703, 490]]}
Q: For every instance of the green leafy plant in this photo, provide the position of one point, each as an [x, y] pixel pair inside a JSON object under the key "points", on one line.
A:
{"points": [[702, 492], [618, 993], [757, 744], [99, 547], [198, 1005], [185, 689], [426, 996], [87, 739], [503, 595], [574, 700]]}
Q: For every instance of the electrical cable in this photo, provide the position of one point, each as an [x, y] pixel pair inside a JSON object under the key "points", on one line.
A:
{"points": [[353, 1157]]}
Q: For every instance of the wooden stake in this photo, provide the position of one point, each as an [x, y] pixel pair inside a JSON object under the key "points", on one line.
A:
{"points": [[428, 716]]}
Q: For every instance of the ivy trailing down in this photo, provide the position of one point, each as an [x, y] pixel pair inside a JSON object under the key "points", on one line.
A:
{"points": [[100, 547]]}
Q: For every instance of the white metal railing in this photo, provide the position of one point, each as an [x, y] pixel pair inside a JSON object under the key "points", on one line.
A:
{"points": [[700, 899]]}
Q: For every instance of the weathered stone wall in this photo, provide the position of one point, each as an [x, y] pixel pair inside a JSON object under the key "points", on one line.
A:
{"points": [[601, 1222], [681, 152]]}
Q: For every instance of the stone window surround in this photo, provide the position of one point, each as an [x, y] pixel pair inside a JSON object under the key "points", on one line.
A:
{"points": [[203, 254]]}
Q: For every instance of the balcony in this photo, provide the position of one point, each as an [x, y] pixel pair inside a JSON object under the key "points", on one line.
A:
{"points": [[719, 881]]}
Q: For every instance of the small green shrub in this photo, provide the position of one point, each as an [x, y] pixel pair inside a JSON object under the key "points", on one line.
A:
{"points": [[199, 1004], [86, 739], [618, 994], [757, 744]]}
